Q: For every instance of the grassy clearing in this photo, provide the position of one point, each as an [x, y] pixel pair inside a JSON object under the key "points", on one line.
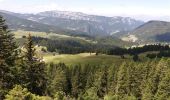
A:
{"points": [[21, 33], [83, 59]]}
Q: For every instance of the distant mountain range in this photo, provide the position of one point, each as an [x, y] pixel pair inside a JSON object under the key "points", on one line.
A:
{"points": [[72, 21], [64, 22]]}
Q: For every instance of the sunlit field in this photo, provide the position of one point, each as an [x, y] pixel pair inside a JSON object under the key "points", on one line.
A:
{"points": [[84, 58]]}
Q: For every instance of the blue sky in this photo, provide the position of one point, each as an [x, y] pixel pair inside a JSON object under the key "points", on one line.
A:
{"points": [[139, 9]]}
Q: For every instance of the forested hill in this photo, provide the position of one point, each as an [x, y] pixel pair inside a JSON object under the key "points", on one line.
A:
{"points": [[152, 31]]}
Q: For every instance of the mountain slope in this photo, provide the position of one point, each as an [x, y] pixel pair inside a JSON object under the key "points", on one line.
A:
{"points": [[22, 24], [153, 31], [90, 24], [16, 23]]}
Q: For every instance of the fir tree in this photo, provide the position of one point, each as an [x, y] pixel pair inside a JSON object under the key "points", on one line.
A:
{"points": [[135, 79], [103, 89], [122, 82], [7, 44], [8, 56], [57, 80], [77, 81], [68, 82], [163, 92], [155, 77], [34, 69], [160, 71], [147, 74]]}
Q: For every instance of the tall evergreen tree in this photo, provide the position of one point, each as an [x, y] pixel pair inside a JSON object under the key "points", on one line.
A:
{"points": [[163, 92], [77, 81], [34, 69], [160, 72], [154, 79], [58, 80], [103, 89], [134, 79], [7, 44], [147, 74], [7, 57], [122, 83]]}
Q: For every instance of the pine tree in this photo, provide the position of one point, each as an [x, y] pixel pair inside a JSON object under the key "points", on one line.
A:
{"points": [[112, 78], [160, 71], [134, 79], [34, 70], [103, 89], [122, 82], [7, 44], [155, 77], [68, 82], [77, 81], [163, 92], [147, 74], [58, 80], [8, 56]]}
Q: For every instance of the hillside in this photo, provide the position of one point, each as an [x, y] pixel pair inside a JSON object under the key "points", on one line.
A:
{"points": [[17, 23], [21, 26], [152, 31], [88, 24]]}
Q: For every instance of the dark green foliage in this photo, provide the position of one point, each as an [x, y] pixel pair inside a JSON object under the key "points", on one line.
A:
{"points": [[138, 50], [78, 81], [33, 70], [72, 46], [135, 58], [103, 88], [159, 55], [63, 46], [8, 55]]}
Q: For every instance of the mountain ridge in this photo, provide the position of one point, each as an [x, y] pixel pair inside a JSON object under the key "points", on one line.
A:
{"points": [[152, 31], [90, 24]]}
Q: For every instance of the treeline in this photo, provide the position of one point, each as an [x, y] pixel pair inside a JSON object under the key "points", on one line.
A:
{"points": [[160, 54], [76, 46], [69, 46], [138, 50], [63, 46]]}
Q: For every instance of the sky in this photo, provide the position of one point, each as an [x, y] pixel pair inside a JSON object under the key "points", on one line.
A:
{"points": [[139, 9]]}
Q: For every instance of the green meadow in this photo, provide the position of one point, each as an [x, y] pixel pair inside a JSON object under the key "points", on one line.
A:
{"points": [[84, 58]]}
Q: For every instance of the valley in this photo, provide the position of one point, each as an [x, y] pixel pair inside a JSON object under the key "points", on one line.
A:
{"points": [[66, 55]]}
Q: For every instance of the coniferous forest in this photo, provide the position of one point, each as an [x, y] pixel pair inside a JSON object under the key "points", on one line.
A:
{"points": [[24, 76]]}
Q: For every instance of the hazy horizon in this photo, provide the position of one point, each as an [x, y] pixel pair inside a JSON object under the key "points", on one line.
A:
{"points": [[140, 10]]}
